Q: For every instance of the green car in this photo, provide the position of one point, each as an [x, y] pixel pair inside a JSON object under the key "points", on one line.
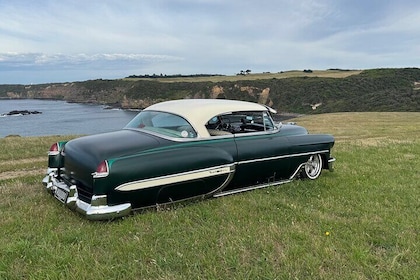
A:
{"points": [[182, 149]]}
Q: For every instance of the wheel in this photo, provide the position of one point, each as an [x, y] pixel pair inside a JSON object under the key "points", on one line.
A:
{"points": [[313, 167]]}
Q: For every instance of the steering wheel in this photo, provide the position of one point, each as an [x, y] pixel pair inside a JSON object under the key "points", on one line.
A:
{"points": [[223, 126]]}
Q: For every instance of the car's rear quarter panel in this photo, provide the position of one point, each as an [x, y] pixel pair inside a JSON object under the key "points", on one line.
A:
{"points": [[166, 161]]}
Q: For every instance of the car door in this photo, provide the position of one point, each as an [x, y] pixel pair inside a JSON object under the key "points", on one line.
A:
{"points": [[262, 151], [262, 158]]}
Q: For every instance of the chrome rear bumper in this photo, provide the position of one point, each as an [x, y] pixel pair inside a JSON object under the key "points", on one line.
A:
{"points": [[98, 209]]}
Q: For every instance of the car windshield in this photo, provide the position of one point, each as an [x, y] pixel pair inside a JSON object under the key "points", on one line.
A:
{"points": [[163, 123]]}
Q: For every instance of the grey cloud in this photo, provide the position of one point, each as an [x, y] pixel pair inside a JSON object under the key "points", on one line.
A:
{"points": [[202, 36], [107, 60]]}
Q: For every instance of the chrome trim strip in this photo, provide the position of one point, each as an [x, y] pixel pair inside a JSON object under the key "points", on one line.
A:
{"points": [[177, 178], [199, 174], [201, 196], [297, 171], [256, 187], [175, 139], [224, 184], [282, 156], [256, 133], [202, 138]]}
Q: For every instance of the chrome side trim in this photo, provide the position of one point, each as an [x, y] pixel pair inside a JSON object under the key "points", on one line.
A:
{"points": [[224, 184], [177, 178], [201, 196], [258, 133], [175, 139], [201, 173], [204, 138], [256, 187], [260, 186], [297, 171], [282, 156]]}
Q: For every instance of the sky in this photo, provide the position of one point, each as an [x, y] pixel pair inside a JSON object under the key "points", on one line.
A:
{"points": [[46, 41]]}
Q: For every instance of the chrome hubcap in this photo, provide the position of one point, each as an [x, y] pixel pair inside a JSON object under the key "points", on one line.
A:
{"points": [[313, 166]]}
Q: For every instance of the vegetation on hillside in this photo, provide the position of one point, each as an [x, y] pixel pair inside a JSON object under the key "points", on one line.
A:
{"points": [[311, 92]]}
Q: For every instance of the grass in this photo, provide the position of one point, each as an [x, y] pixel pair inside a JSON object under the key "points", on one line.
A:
{"points": [[359, 222], [256, 76]]}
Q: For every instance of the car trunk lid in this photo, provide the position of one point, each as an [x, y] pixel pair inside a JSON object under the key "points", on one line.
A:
{"points": [[83, 155]]}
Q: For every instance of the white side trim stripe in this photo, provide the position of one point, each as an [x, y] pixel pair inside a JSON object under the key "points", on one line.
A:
{"points": [[198, 174], [177, 178]]}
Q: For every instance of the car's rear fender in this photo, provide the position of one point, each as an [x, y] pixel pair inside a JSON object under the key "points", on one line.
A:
{"points": [[306, 145], [56, 156], [146, 177]]}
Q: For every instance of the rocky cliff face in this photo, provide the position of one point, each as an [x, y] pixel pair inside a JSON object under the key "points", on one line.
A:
{"points": [[371, 90], [123, 96]]}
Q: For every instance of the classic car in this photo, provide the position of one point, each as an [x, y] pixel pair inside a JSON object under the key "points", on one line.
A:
{"points": [[182, 149]]}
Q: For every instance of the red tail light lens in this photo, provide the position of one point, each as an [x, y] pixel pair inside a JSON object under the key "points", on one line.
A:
{"points": [[102, 167], [53, 150], [101, 170], [54, 147]]}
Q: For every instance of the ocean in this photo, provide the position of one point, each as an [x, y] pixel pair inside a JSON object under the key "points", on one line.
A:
{"points": [[59, 118]]}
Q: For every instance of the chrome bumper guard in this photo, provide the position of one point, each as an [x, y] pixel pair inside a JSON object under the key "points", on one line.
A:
{"points": [[331, 164], [96, 210]]}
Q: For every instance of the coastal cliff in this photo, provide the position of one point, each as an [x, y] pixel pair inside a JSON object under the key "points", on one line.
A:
{"points": [[369, 90]]}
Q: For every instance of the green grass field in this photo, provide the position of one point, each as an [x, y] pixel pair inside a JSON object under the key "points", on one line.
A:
{"points": [[256, 76], [359, 222]]}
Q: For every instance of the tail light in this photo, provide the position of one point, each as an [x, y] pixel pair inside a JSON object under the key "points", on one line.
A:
{"points": [[54, 150], [102, 170]]}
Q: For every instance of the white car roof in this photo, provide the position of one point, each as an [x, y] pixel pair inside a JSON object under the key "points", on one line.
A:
{"points": [[199, 111]]}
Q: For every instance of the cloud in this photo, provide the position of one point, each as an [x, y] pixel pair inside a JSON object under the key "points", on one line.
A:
{"points": [[114, 38], [43, 61], [45, 68]]}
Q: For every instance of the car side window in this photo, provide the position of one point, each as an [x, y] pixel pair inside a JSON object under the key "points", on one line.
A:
{"points": [[240, 122], [163, 123]]}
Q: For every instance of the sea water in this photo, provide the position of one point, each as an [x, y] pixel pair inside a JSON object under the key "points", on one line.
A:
{"points": [[59, 118]]}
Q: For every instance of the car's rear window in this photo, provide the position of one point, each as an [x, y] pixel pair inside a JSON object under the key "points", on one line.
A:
{"points": [[163, 123]]}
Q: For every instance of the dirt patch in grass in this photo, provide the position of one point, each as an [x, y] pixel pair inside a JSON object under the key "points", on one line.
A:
{"points": [[24, 161], [21, 173], [22, 168]]}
